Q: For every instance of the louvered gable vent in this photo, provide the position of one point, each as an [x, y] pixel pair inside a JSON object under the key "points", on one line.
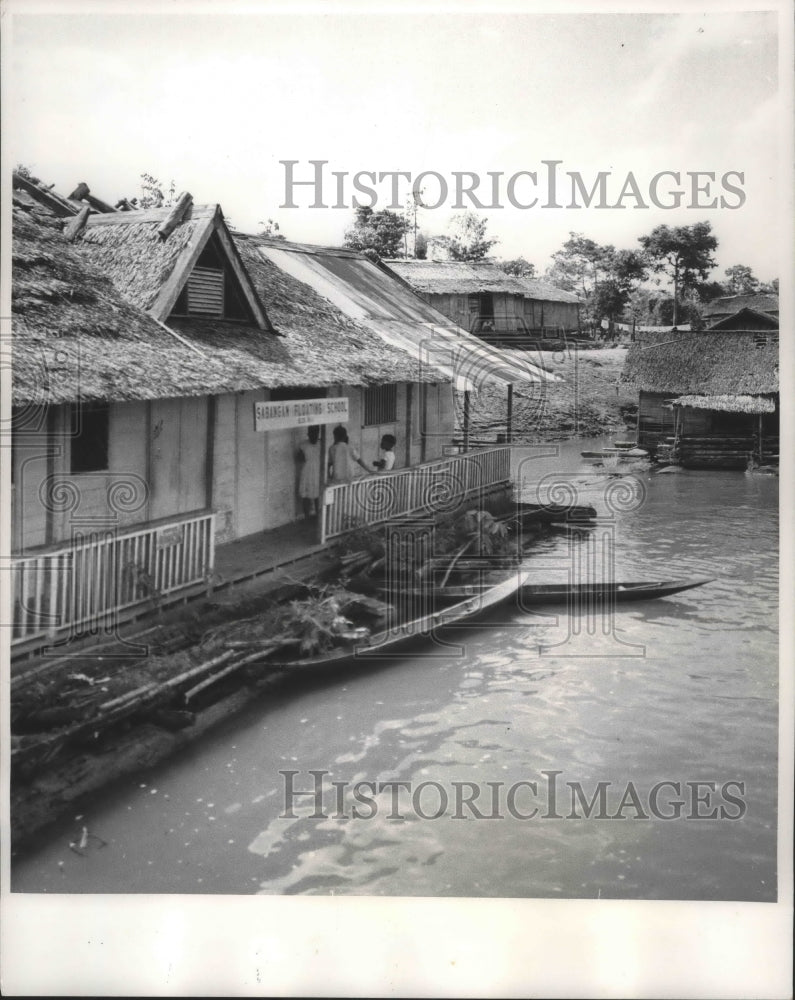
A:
{"points": [[206, 291]]}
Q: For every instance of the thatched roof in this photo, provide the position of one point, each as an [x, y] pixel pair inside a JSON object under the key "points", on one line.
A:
{"points": [[473, 277], [725, 363], [322, 346], [151, 270], [726, 305], [76, 336], [728, 404], [747, 319]]}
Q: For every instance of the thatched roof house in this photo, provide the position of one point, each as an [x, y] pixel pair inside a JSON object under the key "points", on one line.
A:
{"points": [[708, 363], [747, 319], [710, 399], [728, 305], [481, 298], [474, 278]]}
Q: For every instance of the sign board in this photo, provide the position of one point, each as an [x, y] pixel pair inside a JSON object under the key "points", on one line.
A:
{"points": [[280, 414]]}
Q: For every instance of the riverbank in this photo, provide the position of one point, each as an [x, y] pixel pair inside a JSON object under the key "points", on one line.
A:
{"points": [[589, 400]]}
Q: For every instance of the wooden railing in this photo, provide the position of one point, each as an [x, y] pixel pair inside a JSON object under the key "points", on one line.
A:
{"points": [[84, 584], [435, 487]]}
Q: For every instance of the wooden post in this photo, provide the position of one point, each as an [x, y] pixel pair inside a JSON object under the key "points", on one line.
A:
{"points": [[321, 500], [509, 416], [759, 431], [409, 422], [209, 461], [466, 421]]}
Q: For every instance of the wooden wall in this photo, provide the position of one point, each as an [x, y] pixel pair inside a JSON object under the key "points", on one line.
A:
{"points": [[161, 450], [655, 421]]}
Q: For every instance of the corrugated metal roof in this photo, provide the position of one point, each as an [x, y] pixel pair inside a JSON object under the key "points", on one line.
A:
{"points": [[376, 299]]}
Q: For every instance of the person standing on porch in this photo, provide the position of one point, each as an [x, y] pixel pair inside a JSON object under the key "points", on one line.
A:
{"points": [[386, 460], [341, 456], [309, 480]]}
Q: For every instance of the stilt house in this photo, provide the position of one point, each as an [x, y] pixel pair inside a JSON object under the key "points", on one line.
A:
{"points": [[710, 398], [499, 307], [164, 373]]}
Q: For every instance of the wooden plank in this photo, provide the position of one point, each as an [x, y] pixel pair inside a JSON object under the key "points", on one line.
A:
{"points": [[196, 213]]}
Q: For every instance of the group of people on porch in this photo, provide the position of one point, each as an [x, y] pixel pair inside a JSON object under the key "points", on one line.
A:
{"points": [[340, 467]]}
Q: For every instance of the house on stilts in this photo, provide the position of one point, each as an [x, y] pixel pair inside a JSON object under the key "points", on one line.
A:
{"points": [[164, 372], [498, 307], [709, 399]]}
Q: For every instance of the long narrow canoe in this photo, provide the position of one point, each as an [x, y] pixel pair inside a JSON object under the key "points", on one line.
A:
{"points": [[382, 644], [623, 454], [549, 593], [571, 593]]}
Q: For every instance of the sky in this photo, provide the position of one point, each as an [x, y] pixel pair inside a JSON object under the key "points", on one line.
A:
{"points": [[215, 101]]}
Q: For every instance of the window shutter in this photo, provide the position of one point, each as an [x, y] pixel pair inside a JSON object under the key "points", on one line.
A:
{"points": [[206, 291]]}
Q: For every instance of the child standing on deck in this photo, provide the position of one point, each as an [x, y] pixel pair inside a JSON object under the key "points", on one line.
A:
{"points": [[341, 456], [386, 460], [309, 479]]}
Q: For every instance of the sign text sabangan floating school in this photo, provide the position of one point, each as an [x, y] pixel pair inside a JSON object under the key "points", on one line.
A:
{"points": [[270, 416], [548, 187]]}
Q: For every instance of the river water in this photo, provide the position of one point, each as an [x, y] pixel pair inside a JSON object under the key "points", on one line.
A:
{"points": [[627, 756]]}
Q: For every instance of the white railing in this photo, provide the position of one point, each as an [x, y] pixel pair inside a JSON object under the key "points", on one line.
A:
{"points": [[86, 582], [435, 487]]}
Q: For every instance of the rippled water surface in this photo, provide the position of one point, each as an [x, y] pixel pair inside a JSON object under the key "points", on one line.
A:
{"points": [[679, 690]]}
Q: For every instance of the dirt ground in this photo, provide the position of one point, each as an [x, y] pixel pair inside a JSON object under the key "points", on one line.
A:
{"points": [[589, 400]]}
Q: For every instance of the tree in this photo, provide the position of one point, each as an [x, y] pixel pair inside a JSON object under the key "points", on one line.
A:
{"points": [[603, 276], [152, 195], [578, 267], [420, 246], [381, 233], [25, 171], [741, 280], [468, 237], [683, 254], [270, 229], [518, 266]]}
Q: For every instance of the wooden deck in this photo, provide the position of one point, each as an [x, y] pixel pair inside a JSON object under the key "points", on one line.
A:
{"points": [[253, 556]]}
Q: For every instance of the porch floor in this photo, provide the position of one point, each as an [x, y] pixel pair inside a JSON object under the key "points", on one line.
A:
{"points": [[256, 564], [253, 556]]}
